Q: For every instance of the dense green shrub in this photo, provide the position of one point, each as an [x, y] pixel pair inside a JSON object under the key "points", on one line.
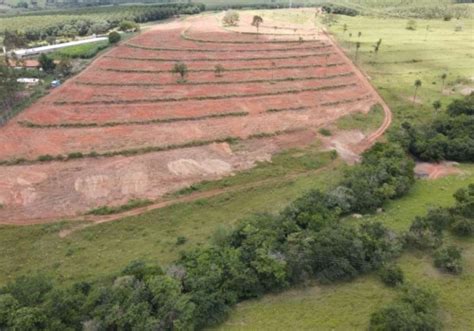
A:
{"points": [[46, 63], [449, 137], [114, 37], [449, 259], [414, 309], [385, 173], [340, 10], [392, 275], [427, 232]]}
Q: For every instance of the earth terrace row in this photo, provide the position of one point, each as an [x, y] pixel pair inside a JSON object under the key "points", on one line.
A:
{"points": [[69, 125], [316, 46], [211, 69], [237, 38], [135, 53], [217, 60], [104, 77], [115, 93], [174, 39], [140, 150], [220, 82], [47, 113]]}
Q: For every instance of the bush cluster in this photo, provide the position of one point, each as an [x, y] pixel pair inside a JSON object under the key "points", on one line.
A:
{"points": [[414, 309], [339, 10], [427, 232], [448, 137]]}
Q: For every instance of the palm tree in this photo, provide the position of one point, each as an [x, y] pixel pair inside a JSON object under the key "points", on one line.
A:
{"points": [[443, 80], [418, 84], [359, 34], [357, 50], [377, 46], [436, 106], [257, 20]]}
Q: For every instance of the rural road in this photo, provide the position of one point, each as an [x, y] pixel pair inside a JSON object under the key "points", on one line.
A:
{"points": [[372, 138]]}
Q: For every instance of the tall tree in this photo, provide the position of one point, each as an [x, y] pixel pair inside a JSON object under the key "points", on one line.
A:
{"points": [[257, 20], [181, 69], [436, 106], [377, 46], [14, 39], [417, 84], [357, 50], [443, 80], [8, 87]]}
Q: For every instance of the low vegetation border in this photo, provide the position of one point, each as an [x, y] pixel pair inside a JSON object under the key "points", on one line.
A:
{"points": [[208, 97], [336, 64], [277, 110], [208, 50], [141, 150], [287, 57], [224, 82], [344, 101], [187, 37], [33, 125]]}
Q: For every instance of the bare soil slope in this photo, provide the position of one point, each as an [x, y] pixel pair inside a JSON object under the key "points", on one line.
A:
{"points": [[125, 128]]}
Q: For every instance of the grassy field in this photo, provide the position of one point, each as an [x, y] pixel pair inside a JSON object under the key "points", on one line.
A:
{"points": [[101, 250], [426, 53], [405, 56], [347, 306]]}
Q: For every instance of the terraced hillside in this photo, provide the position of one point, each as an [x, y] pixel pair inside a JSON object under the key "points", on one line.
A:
{"points": [[126, 128]]}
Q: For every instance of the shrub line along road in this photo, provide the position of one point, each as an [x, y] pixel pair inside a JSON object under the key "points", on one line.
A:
{"points": [[95, 220]]}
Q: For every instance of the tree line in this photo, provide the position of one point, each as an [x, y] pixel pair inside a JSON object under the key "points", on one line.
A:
{"points": [[83, 25], [448, 136]]}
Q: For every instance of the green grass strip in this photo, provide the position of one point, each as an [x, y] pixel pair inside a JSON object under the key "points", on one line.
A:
{"points": [[224, 82], [227, 70], [140, 150], [200, 50], [286, 57], [29, 124], [335, 103], [131, 204], [277, 110], [209, 97]]}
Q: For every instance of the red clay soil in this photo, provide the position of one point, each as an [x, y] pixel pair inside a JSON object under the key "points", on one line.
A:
{"points": [[436, 170], [275, 87]]}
